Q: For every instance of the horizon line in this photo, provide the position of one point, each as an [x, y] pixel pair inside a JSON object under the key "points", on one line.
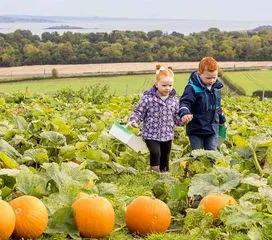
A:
{"points": [[128, 18]]}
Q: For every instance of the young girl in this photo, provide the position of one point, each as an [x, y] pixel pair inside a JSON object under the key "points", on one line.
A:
{"points": [[158, 110]]}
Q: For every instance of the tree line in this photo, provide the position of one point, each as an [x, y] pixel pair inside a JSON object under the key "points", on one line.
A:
{"points": [[23, 48]]}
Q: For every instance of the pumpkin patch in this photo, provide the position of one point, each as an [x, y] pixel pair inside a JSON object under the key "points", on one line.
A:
{"points": [[45, 133]]}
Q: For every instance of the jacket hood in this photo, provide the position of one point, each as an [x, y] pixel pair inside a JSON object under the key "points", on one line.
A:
{"points": [[197, 81]]}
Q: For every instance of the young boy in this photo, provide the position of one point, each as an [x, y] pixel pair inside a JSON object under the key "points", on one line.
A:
{"points": [[200, 106]]}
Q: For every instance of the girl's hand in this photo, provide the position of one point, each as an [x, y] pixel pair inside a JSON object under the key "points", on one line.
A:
{"points": [[187, 118], [133, 124]]}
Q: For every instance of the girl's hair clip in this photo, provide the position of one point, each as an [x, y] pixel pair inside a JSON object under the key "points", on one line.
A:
{"points": [[162, 68]]}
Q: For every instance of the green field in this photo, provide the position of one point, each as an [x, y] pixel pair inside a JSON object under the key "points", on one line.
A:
{"points": [[121, 85], [130, 84], [252, 80]]}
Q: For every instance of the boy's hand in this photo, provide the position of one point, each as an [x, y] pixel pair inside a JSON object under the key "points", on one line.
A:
{"points": [[187, 118]]}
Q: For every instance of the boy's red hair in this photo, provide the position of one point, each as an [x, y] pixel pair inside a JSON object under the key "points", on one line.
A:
{"points": [[209, 64], [163, 72]]}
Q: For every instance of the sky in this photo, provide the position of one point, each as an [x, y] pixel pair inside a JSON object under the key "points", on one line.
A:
{"points": [[163, 9]]}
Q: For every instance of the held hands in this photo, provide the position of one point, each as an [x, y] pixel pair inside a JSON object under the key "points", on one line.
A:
{"points": [[187, 118]]}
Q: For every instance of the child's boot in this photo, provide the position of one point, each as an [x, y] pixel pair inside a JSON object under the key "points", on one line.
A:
{"points": [[155, 168]]}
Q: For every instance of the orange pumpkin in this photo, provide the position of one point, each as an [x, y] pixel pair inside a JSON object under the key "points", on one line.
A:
{"points": [[7, 220], [146, 215], [31, 217], [214, 202], [94, 216]]}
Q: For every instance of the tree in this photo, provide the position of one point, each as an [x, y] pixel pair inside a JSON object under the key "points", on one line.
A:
{"points": [[52, 37], [32, 55], [113, 52], [156, 33]]}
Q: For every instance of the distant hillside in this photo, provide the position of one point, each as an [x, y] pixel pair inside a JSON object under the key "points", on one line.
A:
{"points": [[64, 27], [262, 28], [30, 18], [23, 18]]}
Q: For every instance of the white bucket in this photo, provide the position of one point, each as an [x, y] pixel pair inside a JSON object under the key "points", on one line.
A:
{"points": [[124, 135]]}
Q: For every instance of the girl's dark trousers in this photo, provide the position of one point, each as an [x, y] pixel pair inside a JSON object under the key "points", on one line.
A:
{"points": [[159, 153]]}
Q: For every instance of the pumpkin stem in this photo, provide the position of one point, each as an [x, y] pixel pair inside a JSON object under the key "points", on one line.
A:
{"points": [[256, 162]]}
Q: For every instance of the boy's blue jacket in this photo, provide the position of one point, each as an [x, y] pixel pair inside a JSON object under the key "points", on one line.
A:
{"points": [[204, 104]]}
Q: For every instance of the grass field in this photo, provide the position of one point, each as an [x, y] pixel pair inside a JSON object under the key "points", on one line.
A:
{"points": [[129, 84], [252, 80], [120, 85]]}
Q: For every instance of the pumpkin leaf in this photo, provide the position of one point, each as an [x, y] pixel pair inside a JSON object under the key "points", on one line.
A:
{"points": [[265, 192], [67, 153], [38, 155], [7, 184], [68, 174], [254, 234], [119, 169], [9, 172], [31, 183], [94, 154], [60, 126], [21, 123], [254, 180], [105, 189], [8, 162], [240, 141], [53, 138], [5, 192], [220, 179], [64, 198], [9, 150], [243, 216], [62, 221]]}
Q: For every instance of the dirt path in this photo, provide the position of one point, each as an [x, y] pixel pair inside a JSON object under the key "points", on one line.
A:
{"points": [[89, 69]]}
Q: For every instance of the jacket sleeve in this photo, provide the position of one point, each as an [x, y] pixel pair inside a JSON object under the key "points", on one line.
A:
{"points": [[177, 118], [139, 111], [186, 101]]}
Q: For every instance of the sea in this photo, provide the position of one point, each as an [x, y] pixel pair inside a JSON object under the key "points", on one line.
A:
{"points": [[183, 26]]}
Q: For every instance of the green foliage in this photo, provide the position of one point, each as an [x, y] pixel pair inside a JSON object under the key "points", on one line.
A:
{"points": [[172, 191], [220, 179], [18, 48], [41, 136]]}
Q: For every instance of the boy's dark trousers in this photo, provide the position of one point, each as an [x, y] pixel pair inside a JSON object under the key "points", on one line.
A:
{"points": [[159, 153]]}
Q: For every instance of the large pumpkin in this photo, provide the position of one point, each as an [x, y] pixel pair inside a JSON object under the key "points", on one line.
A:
{"points": [[7, 220], [94, 216], [31, 217], [146, 215], [214, 202]]}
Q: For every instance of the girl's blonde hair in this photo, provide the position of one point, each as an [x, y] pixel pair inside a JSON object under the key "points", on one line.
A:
{"points": [[163, 72]]}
